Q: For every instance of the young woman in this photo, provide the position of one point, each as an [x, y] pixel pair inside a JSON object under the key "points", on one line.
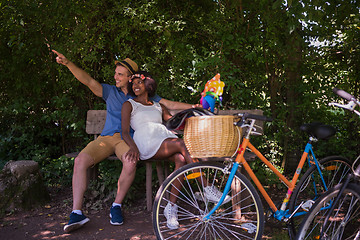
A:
{"points": [[151, 138]]}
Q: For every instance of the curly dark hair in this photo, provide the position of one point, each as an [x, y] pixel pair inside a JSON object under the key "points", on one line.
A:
{"points": [[150, 83]]}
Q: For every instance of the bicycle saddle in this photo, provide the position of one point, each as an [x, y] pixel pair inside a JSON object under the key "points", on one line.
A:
{"points": [[177, 122], [318, 130]]}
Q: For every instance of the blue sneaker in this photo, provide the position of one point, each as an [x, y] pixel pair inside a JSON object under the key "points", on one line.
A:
{"points": [[116, 216], [76, 221]]}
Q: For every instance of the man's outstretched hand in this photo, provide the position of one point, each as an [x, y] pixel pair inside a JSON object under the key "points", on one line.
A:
{"points": [[61, 59]]}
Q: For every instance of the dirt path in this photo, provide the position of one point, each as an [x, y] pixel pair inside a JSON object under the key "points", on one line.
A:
{"points": [[47, 222]]}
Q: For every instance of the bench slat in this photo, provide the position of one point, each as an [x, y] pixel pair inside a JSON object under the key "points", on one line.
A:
{"points": [[95, 121]]}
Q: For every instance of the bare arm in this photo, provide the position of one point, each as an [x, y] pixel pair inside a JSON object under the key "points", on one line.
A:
{"points": [[172, 105], [80, 74], [133, 153], [166, 114]]}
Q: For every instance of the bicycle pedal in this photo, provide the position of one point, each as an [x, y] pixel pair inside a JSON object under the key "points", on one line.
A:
{"points": [[307, 205], [249, 227]]}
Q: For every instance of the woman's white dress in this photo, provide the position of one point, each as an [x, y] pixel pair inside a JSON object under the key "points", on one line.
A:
{"points": [[150, 132]]}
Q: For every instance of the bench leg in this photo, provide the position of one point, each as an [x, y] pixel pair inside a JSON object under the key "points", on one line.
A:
{"points": [[148, 185], [161, 177], [160, 172], [166, 169], [93, 172]]}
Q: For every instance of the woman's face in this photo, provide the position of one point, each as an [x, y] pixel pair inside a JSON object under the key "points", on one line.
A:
{"points": [[138, 86]]}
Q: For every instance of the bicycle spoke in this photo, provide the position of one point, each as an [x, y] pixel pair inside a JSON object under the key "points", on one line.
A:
{"points": [[227, 222], [311, 186], [343, 221]]}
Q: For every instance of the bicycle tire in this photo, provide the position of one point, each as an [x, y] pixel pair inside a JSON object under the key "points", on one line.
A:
{"points": [[222, 224], [344, 221], [334, 170]]}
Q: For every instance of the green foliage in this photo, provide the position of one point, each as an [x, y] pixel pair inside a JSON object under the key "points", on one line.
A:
{"points": [[104, 188], [31, 130], [58, 172], [274, 153]]}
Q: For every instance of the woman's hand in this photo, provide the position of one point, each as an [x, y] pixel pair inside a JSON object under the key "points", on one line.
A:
{"points": [[132, 155]]}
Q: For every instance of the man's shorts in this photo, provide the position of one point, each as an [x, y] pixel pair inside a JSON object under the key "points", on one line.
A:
{"points": [[104, 146]]}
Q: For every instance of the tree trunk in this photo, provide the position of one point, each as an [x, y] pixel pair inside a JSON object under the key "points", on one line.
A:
{"points": [[293, 98]]}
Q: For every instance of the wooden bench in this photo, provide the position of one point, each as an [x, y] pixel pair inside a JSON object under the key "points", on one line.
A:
{"points": [[95, 122]]}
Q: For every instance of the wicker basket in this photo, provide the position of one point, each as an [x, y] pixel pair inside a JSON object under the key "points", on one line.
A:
{"points": [[211, 136]]}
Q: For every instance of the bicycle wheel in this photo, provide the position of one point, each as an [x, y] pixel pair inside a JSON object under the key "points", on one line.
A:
{"points": [[344, 221], [241, 217], [334, 170]]}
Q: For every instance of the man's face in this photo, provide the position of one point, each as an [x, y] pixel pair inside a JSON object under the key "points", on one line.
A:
{"points": [[121, 76]]}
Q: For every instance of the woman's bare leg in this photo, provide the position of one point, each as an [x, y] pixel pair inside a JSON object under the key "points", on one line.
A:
{"points": [[173, 146], [179, 161]]}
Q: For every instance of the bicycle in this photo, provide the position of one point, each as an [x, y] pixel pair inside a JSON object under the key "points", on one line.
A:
{"points": [[336, 214], [242, 217]]}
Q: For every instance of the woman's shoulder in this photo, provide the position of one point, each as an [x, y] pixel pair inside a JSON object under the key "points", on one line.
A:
{"points": [[133, 102], [127, 104], [130, 104]]}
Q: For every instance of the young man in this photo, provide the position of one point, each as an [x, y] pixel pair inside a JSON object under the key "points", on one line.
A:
{"points": [[109, 142]]}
